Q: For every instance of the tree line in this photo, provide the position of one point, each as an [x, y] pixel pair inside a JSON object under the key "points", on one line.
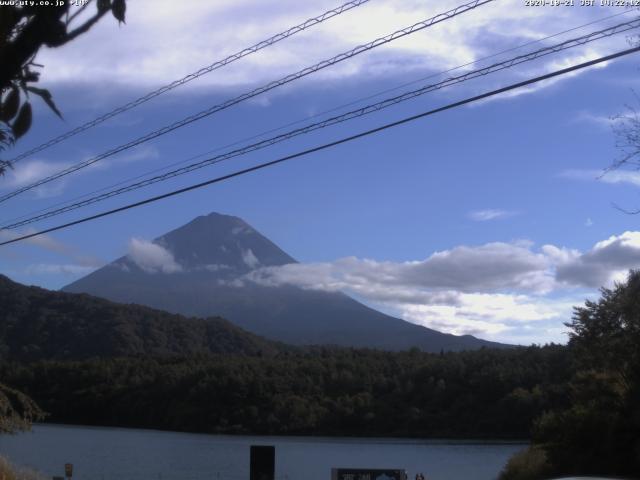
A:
{"points": [[322, 391], [579, 403]]}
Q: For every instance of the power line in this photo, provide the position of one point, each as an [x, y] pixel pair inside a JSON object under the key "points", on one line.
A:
{"points": [[192, 76], [499, 66], [331, 144], [453, 69], [270, 86], [317, 115]]}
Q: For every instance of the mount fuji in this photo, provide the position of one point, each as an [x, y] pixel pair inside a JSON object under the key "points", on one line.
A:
{"points": [[194, 271]]}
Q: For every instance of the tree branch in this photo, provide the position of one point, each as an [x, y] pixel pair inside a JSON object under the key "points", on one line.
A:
{"points": [[80, 30]]}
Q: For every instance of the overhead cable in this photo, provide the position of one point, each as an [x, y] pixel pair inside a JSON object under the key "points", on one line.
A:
{"points": [[499, 66], [192, 76], [316, 115], [330, 144], [270, 86]]}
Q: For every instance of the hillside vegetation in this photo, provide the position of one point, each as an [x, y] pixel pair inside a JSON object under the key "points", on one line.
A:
{"points": [[485, 393], [580, 403], [38, 324]]}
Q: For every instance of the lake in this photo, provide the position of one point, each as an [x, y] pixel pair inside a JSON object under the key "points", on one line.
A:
{"points": [[127, 454]]}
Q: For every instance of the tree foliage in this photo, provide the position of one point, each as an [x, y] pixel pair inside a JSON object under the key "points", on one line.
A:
{"points": [[88, 360], [17, 411], [332, 391], [38, 324], [24, 29], [599, 432], [626, 130]]}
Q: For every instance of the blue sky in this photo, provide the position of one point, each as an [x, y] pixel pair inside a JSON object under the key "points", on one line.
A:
{"points": [[486, 219]]}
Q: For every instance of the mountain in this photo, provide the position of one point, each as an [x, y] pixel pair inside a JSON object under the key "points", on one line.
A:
{"points": [[194, 270], [39, 324]]}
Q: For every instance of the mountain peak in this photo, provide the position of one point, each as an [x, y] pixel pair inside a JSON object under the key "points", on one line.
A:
{"points": [[218, 218], [210, 252], [214, 223], [222, 240]]}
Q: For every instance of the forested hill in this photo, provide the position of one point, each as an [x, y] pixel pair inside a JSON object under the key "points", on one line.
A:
{"points": [[37, 324], [487, 393]]}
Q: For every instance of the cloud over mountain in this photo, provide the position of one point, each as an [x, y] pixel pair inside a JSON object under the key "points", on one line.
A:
{"points": [[203, 268], [489, 267], [486, 289], [512, 291], [151, 257], [495, 289]]}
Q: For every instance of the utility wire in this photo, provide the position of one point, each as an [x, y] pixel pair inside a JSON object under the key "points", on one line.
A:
{"points": [[192, 76], [270, 86], [608, 32], [317, 115], [331, 144]]}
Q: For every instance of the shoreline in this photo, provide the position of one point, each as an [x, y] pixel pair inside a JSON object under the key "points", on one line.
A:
{"points": [[319, 438]]}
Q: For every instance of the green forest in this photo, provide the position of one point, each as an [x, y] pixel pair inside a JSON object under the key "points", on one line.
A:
{"points": [[579, 404], [487, 393], [39, 324]]}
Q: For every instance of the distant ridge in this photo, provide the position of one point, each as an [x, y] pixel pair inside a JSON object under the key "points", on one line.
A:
{"points": [[39, 324], [211, 251]]}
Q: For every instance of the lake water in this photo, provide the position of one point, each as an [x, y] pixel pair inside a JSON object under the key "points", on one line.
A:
{"points": [[125, 454]]}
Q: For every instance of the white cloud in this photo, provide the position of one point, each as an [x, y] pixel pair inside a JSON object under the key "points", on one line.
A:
{"points": [[490, 214], [488, 314], [250, 259], [493, 290], [56, 269], [151, 257], [50, 244], [577, 174], [571, 58], [158, 46], [30, 171], [489, 267], [44, 241], [631, 177], [139, 154], [214, 267], [594, 119], [447, 318], [607, 261], [71, 261], [622, 176], [241, 229]]}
